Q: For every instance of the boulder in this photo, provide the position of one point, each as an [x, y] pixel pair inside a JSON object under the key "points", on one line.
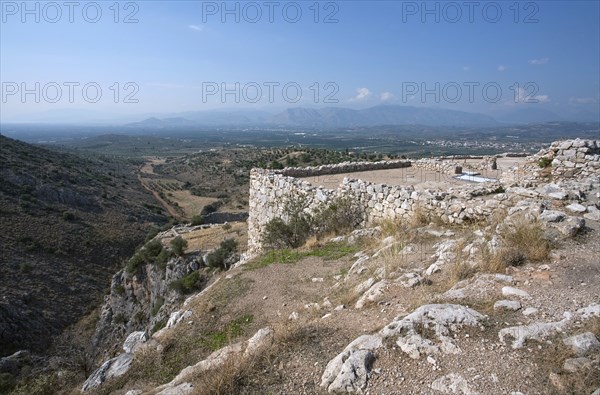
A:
{"points": [[552, 216], [181, 389], [576, 208], [372, 294], [13, 363], [134, 340], [583, 344], [348, 371], [512, 291], [114, 367], [537, 331]]}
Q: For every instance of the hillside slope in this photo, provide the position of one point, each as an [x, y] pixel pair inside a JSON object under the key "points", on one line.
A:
{"points": [[66, 224]]}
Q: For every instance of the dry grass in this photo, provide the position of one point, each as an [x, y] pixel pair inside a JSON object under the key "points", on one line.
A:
{"points": [[527, 238], [523, 241], [210, 238], [555, 379], [498, 216], [391, 227], [190, 204], [461, 268], [252, 374], [592, 325], [419, 218]]}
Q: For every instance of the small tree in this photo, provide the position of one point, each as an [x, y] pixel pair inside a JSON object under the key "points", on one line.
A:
{"points": [[293, 232], [178, 245], [223, 257]]}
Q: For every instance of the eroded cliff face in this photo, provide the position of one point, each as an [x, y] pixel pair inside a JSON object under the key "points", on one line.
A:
{"points": [[143, 301]]}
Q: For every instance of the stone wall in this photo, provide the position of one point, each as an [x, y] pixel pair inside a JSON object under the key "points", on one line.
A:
{"points": [[344, 167], [575, 158], [449, 165], [270, 189], [566, 159]]}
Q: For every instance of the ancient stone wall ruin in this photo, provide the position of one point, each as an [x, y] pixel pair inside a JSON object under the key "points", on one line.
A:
{"points": [[575, 158], [270, 189]]}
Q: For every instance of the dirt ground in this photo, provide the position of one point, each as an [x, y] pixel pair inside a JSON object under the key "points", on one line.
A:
{"points": [[419, 178], [490, 367]]}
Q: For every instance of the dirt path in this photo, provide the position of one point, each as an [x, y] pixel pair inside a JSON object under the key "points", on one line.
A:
{"points": [[146, 168]]}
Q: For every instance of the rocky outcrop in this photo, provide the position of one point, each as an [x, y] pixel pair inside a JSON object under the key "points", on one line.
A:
{"points": [[142, 301], [118, 365], [349, 370]]}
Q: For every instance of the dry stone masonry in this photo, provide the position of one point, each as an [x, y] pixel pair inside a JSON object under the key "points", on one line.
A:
{"points": [[575, 157], [269, 189]]}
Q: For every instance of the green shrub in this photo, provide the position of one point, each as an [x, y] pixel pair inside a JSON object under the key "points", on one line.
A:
{"points": [[159, 325], [178, 245], [340, 216], [148, 254], [119, 289], [189, 283], [134, 263], [211, 208], [152, 233], [7, 383], [153, 248], [222, 257], [197, 220], [544, 162], [162, 258], [279, 234]]}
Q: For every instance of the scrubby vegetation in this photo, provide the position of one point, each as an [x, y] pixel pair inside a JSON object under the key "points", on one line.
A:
{"points": [[178, 245], [224, 256], [152, 252], [72, 221], [297, 225], [189, 283], [544, 162]]}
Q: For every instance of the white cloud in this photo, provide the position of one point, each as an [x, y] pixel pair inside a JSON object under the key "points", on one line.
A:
{"points": [[362, 94], [466, 68], [539, 61], [524, 96], [385, 96], [542, 98], [502, 68], [582, 100], [196, 27]]}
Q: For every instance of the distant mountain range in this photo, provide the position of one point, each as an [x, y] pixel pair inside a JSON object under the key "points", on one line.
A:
{"points": [[329, 117], [321, 118]]}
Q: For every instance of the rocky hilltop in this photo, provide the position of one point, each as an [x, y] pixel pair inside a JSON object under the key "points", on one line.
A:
{"points": [[487, 288]]}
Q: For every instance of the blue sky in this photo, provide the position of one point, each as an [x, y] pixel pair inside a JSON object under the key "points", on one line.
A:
{"points": [[180, 55]]}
